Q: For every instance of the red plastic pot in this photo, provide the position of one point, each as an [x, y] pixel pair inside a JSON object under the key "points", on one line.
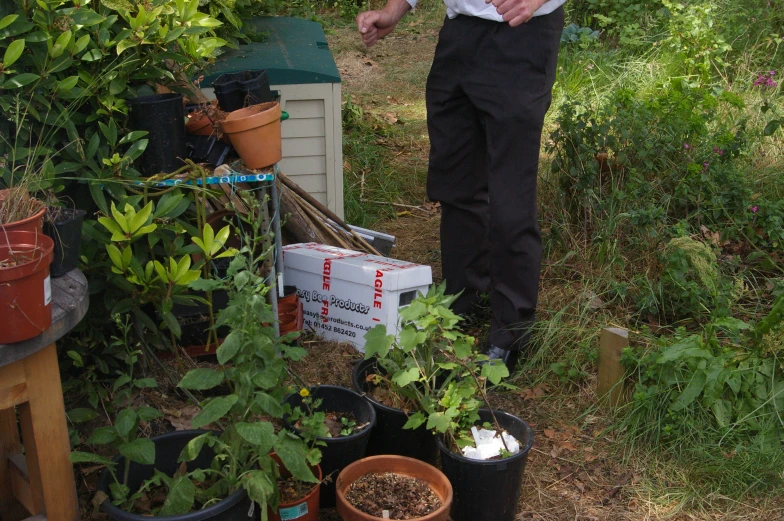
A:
{"points": [[25, 287], [199, 124], [303, 509], [34, 223]]}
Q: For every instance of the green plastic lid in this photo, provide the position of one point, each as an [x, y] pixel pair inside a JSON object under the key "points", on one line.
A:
{"points": [[295, 51]]}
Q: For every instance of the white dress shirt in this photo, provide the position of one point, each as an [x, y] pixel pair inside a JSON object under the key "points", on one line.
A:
{"points": [[481, 9]]}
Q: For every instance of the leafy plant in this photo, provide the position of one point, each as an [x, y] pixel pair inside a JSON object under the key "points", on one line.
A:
{"points": [[434, 365], [723, 388]]}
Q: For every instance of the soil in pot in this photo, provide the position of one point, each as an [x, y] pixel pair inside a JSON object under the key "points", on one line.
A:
{"points": [[401, 497], [435, 480], [389, 437], [297, 500], [488, 490], [341, 449], [25, 286], [64, 227]]}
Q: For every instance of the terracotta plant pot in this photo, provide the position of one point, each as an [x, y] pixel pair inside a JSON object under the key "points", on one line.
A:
{"points": [[398, 465], [290, 311], [199, 124], [33, 223], [303, 509], [255, 134], [25, 287]]}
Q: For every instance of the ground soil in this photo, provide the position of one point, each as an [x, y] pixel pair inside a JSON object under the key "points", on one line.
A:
{"points": [[403, 496]]}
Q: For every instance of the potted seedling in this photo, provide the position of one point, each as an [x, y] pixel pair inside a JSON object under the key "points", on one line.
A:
{"points": [[346, 421], [483, 451], [215, 474]]}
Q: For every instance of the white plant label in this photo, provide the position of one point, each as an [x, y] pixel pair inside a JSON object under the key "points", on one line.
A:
{"points": [[47, 290]]}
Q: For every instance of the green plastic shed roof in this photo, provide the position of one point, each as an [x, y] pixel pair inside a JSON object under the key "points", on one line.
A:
{"points": [[295, 51]]}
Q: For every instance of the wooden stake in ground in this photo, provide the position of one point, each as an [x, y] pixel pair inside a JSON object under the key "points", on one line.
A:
{"points": [[611, 372]]}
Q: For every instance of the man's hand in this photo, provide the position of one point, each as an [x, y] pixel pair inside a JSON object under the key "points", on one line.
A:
{"points": [[374, 25], [516, 12]]}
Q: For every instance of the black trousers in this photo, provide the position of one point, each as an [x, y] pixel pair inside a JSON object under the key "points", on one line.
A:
{"points": [[487, 94]]}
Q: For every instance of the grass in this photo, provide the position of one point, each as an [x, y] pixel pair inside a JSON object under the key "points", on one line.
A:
{"points": [[586, 284]]}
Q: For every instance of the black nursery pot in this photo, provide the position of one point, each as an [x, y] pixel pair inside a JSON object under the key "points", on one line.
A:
{"points": [[389, 437], [339, 452], [167, 450], [163, 117], [241, 89], [488, 490], [66, 232]]}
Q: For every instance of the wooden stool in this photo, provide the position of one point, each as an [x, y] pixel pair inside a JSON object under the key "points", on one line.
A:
{"points": [[40, 482]]}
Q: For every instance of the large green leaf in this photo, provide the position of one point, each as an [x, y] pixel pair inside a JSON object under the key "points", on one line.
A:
{"points": [[495, 371], [292, 451], [269, 405], [126, 422], [260, 434], [201, 379], [692, 391], [102, 436], [406, 376], [214, 410], [193, 448], [13, 52], [20, 80], [81, 415], [260, 488], [377, 342], [179, 499], [230, 346], [89, 457], [140, 450]]}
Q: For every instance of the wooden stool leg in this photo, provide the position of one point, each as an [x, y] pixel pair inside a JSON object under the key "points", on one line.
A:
{"points": [[10, 509], [45, 438]]}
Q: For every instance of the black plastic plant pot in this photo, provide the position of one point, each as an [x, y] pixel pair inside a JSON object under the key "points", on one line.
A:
{"points": [[235, 507], [389, 436], [488, 490], [242, 89], [344, 450], [64, 227], [163, 117]]}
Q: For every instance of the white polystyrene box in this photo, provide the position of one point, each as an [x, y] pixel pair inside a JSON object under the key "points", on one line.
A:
{"points": [[345, 293]]}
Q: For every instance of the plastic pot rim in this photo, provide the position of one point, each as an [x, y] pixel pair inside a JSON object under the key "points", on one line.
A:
{"points": [[154, 98], [42, 247], [198, 515], [523, 452], [38, 215], [252, 117], [367, 396], [339, 439], [77, 213]]}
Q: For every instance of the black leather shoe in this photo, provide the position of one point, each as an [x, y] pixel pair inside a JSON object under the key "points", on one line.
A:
{"points": [[508, 356]]}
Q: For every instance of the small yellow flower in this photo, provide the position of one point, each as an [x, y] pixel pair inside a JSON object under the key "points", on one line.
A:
{"points": [[304, 392]]}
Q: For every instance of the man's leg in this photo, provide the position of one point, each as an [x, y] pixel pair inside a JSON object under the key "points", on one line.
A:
{"points": [[457, 175], [511, 87]]}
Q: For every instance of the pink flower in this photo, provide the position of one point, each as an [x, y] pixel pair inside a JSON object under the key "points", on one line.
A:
{"points": [[754, 209], [686, 146], [705, 166]]}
